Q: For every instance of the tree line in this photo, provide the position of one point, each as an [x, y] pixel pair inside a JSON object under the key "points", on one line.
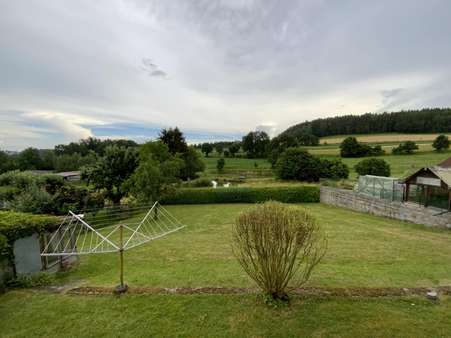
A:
{"points": [[428, 120]]}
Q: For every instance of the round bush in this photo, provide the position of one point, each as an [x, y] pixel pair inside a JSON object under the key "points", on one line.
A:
{"points": [[373, 166]]}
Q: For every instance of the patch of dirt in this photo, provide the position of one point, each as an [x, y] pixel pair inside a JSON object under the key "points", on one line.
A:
{"points": [[309, 291]]}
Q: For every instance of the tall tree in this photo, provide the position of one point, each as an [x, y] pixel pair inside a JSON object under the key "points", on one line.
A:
{"points": [[234, 148], [174, 139], [207, 148], [110, 172], [192, 164], [29, 159], [255, 144], [156, 174]]}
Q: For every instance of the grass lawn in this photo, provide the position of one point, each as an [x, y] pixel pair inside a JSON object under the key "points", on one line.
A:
{"points": [[364, 251], [382, 138], [28, 313]]}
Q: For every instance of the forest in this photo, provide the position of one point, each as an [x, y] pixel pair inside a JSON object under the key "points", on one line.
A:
{"points": [[429, 120]]}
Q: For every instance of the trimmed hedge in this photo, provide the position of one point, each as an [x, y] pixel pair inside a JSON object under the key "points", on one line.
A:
{"points": [[15, 225], [296, 194]]}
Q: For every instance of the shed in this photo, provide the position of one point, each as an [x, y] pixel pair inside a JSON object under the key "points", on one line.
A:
{"points": [[432, 181]]}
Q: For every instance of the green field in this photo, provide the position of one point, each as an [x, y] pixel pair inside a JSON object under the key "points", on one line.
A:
{"points": [[363, 251]]}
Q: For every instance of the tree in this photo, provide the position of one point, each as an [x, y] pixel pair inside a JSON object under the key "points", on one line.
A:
{"points": [[6, 162], [334, 169], [441, 142], [192, 164], [350, 147], [278, 246], [110, 172], [234, 148], [29, 159], [278, 145], [405, 148], [220, 164], [174, 139], [156, 174], [219, 148], [298, 164], [207, 148], [255, 144], [373, 166]]}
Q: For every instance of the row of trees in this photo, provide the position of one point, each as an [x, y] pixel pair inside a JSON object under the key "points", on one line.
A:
{"points": [[435, 120], [147, 173], [62, 158]]}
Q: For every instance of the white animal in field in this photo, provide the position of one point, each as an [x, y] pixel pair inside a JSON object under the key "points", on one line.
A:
{"points": [[215, 184], [226, 185]]}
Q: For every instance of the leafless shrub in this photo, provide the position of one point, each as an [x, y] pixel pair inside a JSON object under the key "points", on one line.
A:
{"points": [[278, 245]]}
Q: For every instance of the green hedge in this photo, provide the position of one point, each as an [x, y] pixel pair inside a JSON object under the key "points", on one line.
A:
{"points": [[295, 194], [15, 225]]}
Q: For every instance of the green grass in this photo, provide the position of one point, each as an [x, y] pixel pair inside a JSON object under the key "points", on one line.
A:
{"points": [[364, 251], [238, 167], [26, 314]]}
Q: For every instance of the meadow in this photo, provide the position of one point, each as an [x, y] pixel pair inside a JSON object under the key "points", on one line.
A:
{"points": [[363, 251]]}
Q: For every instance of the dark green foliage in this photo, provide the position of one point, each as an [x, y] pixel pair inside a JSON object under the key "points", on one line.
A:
{"points": [[405, 148], [306, 139], [91, 145], [373, 166], [207, 148], [334, 169], [28, 192], [220, 164], [156, 174], [441, 142], [298, 164], [70, 162], [4, 246], [174, 139], [234, 147], [429, 120], [350, 147], [219, 148], [192, 164], [278, 145], [255, 144], [294, 194], [111, 171], [29, 159], [7, 162]]}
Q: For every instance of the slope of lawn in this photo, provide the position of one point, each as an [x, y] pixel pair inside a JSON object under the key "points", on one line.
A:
{"points": [[37, 314], [363, 251]]}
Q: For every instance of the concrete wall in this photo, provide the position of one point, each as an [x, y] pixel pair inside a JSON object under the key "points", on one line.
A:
{"points": [[27, 255], [410, 212]]}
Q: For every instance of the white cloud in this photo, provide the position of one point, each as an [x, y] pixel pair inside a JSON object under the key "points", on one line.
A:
{"points": [[221, 66]]}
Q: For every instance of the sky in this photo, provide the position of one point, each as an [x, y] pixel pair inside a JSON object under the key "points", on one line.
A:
{"points": [[216, 69]]}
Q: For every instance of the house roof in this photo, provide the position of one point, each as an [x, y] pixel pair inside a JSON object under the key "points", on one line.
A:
{"points": [[69, 173], [443, 173]]}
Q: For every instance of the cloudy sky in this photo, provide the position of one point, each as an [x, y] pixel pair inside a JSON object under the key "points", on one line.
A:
{"points": [[216, 69]]}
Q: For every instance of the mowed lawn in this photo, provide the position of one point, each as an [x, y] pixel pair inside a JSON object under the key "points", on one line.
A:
{"points": [[37, 314], [363, 251]]}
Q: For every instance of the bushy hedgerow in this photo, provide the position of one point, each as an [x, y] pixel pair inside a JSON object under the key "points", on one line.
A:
{"points": [[15, 225], [295, 194]]}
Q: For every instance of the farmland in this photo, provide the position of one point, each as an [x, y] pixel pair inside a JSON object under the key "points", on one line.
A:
{"points": [[363, 251]]}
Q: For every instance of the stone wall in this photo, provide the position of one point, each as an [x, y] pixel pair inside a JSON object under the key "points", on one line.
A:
{"points": [[410, 212]]}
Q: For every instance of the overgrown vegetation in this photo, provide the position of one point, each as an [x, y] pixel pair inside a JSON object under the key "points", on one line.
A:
{"points": [[405, 148], [350, 147], [278, 246], [441, 143]]}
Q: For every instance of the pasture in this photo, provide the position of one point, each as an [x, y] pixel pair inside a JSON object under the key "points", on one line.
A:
{"points": [[363, 251], [382, 138]]}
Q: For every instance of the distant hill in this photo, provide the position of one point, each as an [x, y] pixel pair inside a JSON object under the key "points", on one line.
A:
{"points": [[429, 120]]}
